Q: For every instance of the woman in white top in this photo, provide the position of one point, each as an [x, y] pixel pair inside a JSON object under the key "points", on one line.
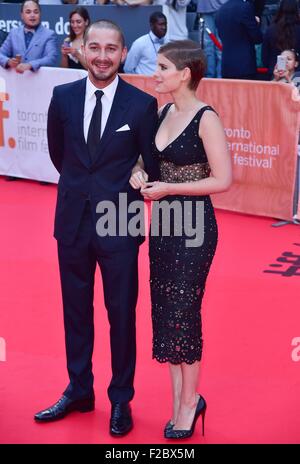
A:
{"points": [[71, 56]]}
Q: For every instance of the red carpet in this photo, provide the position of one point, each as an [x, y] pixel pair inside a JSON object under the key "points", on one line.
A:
{"points": [[250, 370]]}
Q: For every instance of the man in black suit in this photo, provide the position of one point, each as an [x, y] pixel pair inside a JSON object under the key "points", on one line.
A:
{"points": [[239, 31], [97, 129]]}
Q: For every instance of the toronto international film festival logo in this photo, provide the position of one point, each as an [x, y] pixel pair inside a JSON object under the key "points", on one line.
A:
{"points": [[4, 114]]}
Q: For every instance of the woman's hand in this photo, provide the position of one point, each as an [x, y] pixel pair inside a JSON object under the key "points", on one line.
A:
{"points": [[65, 50], [138, 178], [70, 51], [155, 190], [74, 51], [280, 74]]}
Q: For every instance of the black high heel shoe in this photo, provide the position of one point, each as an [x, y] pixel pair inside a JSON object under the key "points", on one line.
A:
{"points": [[169, 425], [200, 411]]}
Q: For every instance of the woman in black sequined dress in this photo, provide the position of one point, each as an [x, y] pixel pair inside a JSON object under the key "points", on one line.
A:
{"points": [[191, 150]]}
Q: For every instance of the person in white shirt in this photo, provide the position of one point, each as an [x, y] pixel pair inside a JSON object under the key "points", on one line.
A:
{"points": [[141, 58]]}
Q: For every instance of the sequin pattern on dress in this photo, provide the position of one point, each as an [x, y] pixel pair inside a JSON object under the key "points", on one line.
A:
{"points": [[178, 273]]}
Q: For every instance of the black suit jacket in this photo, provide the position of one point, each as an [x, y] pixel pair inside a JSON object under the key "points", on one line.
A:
{"points": [[239, 32], [80, 179]]}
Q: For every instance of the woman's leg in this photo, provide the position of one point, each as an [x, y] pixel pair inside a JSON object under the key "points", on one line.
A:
{"points": [[189, 397], [176, 378]]}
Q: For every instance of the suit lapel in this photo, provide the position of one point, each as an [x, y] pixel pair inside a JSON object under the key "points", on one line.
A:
{"points": [[116, 115]]}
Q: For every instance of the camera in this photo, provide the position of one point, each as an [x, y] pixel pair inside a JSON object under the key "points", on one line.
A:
{"points": [[66, 43], [281, 63]]}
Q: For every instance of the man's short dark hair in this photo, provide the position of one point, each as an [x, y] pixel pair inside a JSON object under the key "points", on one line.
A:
{"points": [[156, 16], [104, 24]]}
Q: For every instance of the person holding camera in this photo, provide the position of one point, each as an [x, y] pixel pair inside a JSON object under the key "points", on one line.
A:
{"points": [[31, 45], [71, 55], [286, 66], [282, 34]]}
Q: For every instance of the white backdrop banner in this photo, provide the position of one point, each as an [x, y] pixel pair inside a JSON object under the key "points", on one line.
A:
{"points": [[24, 102]]}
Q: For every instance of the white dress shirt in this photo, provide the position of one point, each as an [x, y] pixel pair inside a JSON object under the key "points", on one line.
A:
{"points": [[142, 56], [90, 103]]}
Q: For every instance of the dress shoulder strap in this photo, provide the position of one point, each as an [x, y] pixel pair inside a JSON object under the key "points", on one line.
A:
{"points": [[164, 111], [205, 108]]}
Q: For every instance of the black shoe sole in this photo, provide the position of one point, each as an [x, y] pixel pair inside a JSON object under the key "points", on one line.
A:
{"points": [[120, 435]]}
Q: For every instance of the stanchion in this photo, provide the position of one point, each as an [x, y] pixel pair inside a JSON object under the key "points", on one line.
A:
{"points": [[201, 31]]}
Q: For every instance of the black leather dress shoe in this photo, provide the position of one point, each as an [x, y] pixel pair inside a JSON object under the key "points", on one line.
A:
{"points": [[120, 420], [63, 407]]}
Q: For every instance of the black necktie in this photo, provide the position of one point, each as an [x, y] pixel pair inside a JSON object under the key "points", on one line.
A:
{"points": [[94, 132]]}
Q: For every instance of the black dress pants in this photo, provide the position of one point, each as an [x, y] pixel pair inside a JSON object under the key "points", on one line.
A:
{"points": [[119, 270]]}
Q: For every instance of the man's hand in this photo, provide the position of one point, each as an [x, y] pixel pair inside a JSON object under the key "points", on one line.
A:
{"points": [[70, 51], [23, 67], [65, 50], [13, 62], [138, 178]]}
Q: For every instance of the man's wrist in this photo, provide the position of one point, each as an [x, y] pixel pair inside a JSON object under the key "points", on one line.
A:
{"points": [[136, 169]]}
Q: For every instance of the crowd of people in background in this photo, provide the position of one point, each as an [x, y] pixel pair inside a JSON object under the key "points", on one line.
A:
{"points": [[236, 43]]}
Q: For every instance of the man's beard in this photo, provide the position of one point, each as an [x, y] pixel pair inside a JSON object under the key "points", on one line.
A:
{"points": [[104, 75]]}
